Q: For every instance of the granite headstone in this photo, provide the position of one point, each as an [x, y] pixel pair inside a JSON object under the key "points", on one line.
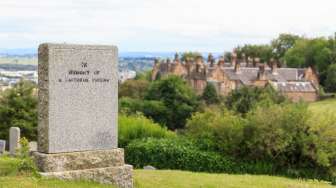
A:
{"points": [[14, 140], [77, 114]]}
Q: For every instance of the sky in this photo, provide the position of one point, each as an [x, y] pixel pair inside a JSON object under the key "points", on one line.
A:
{"points": [[162, 25]]}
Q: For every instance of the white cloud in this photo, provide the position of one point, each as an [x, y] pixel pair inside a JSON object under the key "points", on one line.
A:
{"points": [[161, 25]]}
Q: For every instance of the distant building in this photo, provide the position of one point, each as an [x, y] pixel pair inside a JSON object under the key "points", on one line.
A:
{"points": [[295, 83]]}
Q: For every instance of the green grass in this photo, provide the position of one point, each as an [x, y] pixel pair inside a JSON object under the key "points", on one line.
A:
{"points": [[9, 178], [180, 179], [324, 106]]}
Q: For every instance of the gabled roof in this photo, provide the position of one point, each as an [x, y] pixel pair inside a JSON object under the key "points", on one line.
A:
{"points": [[297, 86]]}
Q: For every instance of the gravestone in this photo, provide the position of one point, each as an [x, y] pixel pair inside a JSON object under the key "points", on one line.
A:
{"points": [[78, 110], [14, 140], [2, 146]]}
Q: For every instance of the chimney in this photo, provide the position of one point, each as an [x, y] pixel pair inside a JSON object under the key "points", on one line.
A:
{"points": [[234, 58], [261, 72], [176, 58], [237, 68], [211, 60], [221, 61], [274, 67]]}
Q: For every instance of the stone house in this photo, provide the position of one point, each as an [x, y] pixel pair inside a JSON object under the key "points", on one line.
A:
{"points": [[295, 83]]}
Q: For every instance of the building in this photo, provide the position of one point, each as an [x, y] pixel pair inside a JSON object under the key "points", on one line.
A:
{"points": [[295, 83]]}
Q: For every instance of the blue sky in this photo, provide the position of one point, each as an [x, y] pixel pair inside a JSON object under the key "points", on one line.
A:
{"points": [[161, 25]]}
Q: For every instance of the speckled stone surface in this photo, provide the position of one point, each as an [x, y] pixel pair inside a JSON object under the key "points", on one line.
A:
{"points": [[14, 140], [120, 176], [78, 98], [79, 160]]}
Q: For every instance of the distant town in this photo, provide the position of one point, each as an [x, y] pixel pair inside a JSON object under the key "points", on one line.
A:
{"points": [[22, 66]]}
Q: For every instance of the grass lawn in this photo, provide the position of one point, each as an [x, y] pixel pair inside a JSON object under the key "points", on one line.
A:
{"points": [[158, 179], [324, 106]]}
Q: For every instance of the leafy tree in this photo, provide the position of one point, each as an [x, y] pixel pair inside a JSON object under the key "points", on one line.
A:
{"points": [[145, 75], [282, 44], [264, 52], [210, 95], [133, 88], [190, 55], [18, 108], [177, 96], [317, 53], [331, 78], [246, 98]]}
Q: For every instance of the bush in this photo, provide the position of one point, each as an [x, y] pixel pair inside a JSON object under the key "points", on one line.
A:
{"points": [[139, 127], [210, 95], [155, 110], [216, 130], [18, 108], [178, 98], [276, 133], [246, 98], [133, 88], [331, 78], [175, 154], [26, 165]]}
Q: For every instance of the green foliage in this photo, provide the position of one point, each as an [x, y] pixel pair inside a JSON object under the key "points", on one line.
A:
{"points": [[282, 44], [210, 95], [178, 98], [216, 130], [26, 165], [138, 127], [247, 98], [320, 146], [318, 53], [275, 133], [152, 109], [145, 76], [18, 108], [331, 78], [133, 88], [191, 56], [175, 154], [264, 52]]}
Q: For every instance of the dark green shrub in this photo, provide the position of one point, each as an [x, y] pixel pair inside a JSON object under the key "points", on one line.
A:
{"points": [[175, 154], [155, 110], [177, 96], [138, 127], [210, 95], [18, 108]]}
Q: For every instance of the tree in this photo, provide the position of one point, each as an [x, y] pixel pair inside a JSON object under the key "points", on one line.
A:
{"points": [[282, 44], [133, 88], [18, 108], [331, 78], [177, 96], [264, 52], [190, 55], [317, 53], [247, 98], [210, 95]]}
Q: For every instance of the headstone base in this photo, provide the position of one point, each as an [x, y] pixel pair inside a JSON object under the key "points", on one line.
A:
{"points": [[120, 176], [103, 166]]}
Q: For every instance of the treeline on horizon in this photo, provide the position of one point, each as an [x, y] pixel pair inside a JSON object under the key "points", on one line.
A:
{"points": [[293, 51]]}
